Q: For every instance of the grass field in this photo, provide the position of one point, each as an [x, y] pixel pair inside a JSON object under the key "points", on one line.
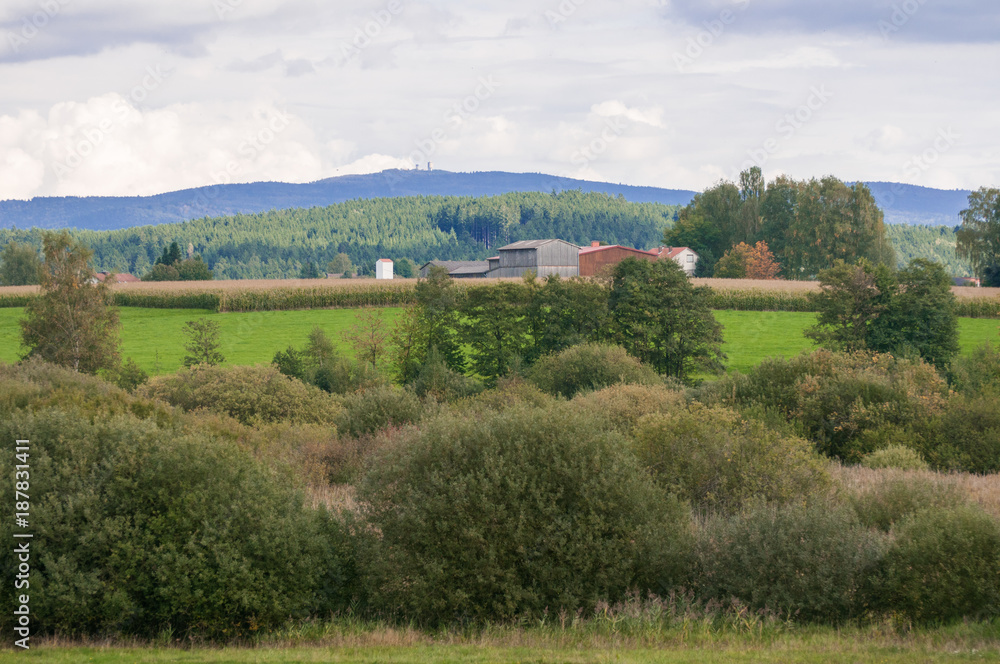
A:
{"points": [[154, 337]]}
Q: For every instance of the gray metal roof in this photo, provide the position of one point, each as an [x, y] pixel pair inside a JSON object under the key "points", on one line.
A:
{"points": [[532, 244], [462, 267], [477, 267]]}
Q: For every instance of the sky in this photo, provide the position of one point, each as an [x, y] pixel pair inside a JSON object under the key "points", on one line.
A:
{"points": [[137, 97]]}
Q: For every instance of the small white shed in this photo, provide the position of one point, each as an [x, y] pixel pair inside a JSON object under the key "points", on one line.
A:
{"points": [[383, 269]]}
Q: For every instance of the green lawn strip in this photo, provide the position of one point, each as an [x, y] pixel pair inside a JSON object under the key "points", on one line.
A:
{"points": [[253, 338], [842, 650], [151, 336]]}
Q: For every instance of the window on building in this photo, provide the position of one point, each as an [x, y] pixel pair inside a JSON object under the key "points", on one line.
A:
{"points": [[690, 258]]}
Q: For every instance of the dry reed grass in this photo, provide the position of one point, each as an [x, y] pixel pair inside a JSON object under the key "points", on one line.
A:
{"points": [[983, 490]]}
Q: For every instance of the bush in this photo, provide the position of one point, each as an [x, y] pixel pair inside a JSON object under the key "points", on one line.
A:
{"points": [[840, 401], [978, 371], [896, 497], [622, 406], [714, 458], [438, 381], [343, 376], [965, 436], [252, 395], [945, 565], [895, 456], [514, 513], [370, 410], [130, 375], [139, 529], [589, 367], [809, 561]]}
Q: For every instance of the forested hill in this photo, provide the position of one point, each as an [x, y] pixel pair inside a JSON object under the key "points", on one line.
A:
{"points": [[901, 203], [275, 244], [107, 213]]}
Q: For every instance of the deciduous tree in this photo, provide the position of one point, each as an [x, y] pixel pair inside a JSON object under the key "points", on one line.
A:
{"points": [[19, 265], [979, 235], [73, 323], [660, 318]]}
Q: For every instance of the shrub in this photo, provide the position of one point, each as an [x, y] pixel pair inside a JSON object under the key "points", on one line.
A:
{"points": [[514, 513], [895, 498], [342, 376], [714, 458], [810, 561], [589, 367], [622, 406], [438, 381], [895, 456], [252, 395], [944, 565], [138, 529], [130, 375], [840, 401], [372, 409], [977, 371], [965, 436]]}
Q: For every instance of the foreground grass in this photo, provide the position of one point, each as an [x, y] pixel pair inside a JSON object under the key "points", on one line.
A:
{"points": [[749, 641], [154, 337]]}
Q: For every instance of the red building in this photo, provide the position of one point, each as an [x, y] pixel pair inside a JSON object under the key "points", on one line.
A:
{"points": [[597, 259]]}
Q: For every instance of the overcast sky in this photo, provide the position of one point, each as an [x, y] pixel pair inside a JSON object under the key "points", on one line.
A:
{"points": [[135, 97]]}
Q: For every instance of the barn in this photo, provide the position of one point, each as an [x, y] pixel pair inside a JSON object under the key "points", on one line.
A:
{"points": [[598, 259], [543, 257]]}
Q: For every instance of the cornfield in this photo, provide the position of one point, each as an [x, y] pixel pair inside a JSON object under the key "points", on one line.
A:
{"points": [[290, 294]]}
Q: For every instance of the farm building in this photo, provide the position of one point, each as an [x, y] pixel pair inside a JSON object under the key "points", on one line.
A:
{"points": [[124, 278], [383, 268], [686, 257], [597, 259], [543, 257], [458, 269]]}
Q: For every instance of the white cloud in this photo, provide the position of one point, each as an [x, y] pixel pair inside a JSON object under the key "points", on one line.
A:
{"points": [[597, 94]]}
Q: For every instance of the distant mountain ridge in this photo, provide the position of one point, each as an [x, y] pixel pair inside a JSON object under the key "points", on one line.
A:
{"points": [[110, 213], [907, 204]]}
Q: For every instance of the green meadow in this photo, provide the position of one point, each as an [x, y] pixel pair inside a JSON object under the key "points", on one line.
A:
{"points": [[155, 339]]}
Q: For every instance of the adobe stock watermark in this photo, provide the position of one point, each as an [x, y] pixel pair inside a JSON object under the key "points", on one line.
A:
{"points": [[225, 7], [460, 111], [592, 151], [252, 147], [34, 23], [901, 14], [92, 137], [706, 38], [787, 127], [365, 35], [563, 11], [918, 164]]}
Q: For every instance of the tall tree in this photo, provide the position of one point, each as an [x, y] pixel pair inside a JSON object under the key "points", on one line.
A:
{"points": [[979, 235], [438, 303], [851, 298], [921, 316], [493, 327], [661, 319], [19, 265], [73, 323], [369, 336]]}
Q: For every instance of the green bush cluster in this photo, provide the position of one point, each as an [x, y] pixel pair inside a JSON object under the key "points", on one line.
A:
{"points": [[944, 564], [848, 404], [807, 561], [143, 521], [515, 513], [252, 395], [368, 410], [587, 367], [716, 459]]}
